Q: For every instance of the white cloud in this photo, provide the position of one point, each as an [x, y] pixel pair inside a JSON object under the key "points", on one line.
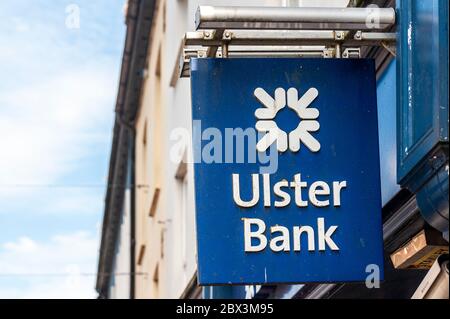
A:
{"points": [[60, 288], [46, 126], [57, 93], [75, 201], [50, 130], [63, 267], [23, 245]]}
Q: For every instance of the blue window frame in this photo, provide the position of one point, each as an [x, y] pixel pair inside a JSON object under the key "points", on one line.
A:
{"points": [[422, 82]]}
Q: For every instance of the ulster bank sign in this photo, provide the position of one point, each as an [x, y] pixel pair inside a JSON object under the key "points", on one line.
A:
{"points": [[287, 181]]}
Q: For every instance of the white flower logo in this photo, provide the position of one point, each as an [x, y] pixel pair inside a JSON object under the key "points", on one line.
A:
{"points": [[273, 133]]}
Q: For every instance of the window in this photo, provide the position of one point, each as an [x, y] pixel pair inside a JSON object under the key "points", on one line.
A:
{"points": [[141, 255], [156, 282], [144, 153], [154, 203]]}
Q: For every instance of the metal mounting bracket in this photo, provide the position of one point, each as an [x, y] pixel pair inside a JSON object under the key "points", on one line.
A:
{"points": [[227, 32]]}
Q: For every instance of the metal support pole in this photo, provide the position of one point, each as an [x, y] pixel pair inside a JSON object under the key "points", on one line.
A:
{"points": [[212, 50], [224, 50], [285, 32], [338, 51], [287, 37], [370, 18]]}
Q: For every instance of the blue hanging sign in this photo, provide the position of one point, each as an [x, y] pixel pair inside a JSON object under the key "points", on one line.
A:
{"points": [[287, 178]]}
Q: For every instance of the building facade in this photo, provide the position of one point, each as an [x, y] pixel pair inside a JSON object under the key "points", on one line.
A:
{"points": [[149, 222]]}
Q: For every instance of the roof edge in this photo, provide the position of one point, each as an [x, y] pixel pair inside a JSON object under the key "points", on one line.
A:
{"points": [[139, 19]]}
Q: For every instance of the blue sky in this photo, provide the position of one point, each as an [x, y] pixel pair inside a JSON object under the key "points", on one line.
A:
{"points": [[58, 85]]}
